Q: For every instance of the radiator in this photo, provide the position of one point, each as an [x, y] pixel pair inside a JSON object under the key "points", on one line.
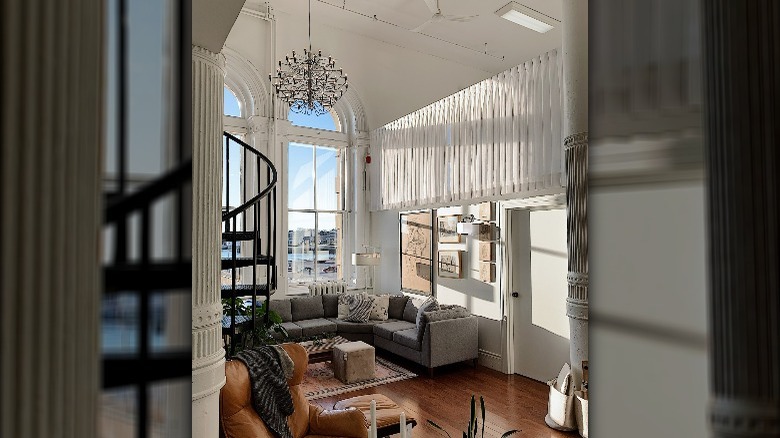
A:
{"points": [[328, 288]]}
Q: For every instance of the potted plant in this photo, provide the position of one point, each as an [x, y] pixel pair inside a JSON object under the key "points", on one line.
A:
{"points": [[474, 422], [263, 332]]}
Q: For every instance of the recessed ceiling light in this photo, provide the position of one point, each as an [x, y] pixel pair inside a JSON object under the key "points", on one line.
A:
{"points": [[525, 16]]}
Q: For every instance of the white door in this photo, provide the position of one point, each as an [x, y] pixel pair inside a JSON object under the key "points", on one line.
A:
{"points": [[537, 259]]}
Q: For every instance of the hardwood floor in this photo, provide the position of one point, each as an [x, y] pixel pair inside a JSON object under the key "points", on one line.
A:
{"points": [[511, 401]]}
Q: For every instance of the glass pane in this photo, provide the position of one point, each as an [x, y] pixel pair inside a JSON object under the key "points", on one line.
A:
{"points": [[324, 121], [170, 409], [233, 171], [327, 195], [118, 416], [170, 327], [119, 316], [231, 104], [300, 252], [329, 247], [300, 183]]}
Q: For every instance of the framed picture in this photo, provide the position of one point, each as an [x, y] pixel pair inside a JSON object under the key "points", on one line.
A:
{"points": [[448, 229], [451, 264], [487, 211], [417, 252], [487, 251], [487, 272], [487, 232]]}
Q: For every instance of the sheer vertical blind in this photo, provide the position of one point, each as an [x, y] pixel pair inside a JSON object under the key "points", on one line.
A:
{"points": [[500, 138]]}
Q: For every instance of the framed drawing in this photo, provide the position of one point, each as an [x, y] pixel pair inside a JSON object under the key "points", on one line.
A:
{"points": [[416, 252], [487, 272], [487, 232], [487, 251], [450, 264], [487, 211], [448, 229]]}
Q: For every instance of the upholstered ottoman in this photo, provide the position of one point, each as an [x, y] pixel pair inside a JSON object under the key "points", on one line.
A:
{"points": [[388, 413], [353, 362]]}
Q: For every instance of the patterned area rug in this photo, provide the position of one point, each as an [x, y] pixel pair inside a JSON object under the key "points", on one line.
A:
{"points": [[319, 381]]}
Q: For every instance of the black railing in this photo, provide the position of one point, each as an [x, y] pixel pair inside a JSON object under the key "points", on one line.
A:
{"points": [[254, 165]]}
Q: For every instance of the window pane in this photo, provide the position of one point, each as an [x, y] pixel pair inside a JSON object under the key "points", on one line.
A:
{"points": [[233, 172], [327, 195], [301, 243], [118, 416], [329, 247], [231, 104], [300, 183], [169, 321], [324, 121], [119, 315]]}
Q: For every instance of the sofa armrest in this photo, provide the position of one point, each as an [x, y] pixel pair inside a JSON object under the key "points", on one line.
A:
{"points": [[349, 423], [450, 340]]}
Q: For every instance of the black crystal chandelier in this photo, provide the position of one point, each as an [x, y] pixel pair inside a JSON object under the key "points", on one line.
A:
{"points": [[311, 83]]}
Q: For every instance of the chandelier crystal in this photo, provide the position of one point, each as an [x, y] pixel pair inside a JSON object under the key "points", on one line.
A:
{"points": [[309, 84]]}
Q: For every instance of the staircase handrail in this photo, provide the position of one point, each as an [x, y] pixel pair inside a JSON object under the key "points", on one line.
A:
{"points": [[263, 193]]}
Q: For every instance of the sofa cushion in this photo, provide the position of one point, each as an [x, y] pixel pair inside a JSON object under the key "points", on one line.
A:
{"points": [[353, 327], [379, 307], [317, 326], [293, 330], [330, 304], [430, 304], [386, 329], [407, 338], [395, 309], [446, 311], [307, 308], [412, 307], [282, 307]]}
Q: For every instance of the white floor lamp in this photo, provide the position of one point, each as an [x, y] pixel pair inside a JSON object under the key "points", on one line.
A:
{"points": [[367, 259]]}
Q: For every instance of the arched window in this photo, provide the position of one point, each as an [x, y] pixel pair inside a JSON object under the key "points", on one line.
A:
{"points": [[315, 205], [232, 107], [324, 121]]}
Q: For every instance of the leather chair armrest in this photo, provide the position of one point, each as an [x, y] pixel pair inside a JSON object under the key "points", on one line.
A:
{"points": [[350, 423]]}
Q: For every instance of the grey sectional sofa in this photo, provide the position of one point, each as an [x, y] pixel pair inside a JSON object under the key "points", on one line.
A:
{"points": [[448, 335]]}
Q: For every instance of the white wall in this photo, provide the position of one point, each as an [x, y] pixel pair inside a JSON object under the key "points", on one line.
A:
{"points": [[648, 308]]}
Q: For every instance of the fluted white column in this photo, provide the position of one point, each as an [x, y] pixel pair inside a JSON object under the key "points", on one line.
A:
{"points": [[575, 134], [208, 355], [50, 190]]}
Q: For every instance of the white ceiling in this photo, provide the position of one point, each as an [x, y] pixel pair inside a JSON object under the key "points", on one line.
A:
{"points": [[212, 21], [394, 70]]}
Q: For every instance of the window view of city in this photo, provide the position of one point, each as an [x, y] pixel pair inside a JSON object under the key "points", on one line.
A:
{"points": [[314, 231]]}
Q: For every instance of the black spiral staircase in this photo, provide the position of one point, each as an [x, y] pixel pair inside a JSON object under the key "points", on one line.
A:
{"points": [[242, 226]]}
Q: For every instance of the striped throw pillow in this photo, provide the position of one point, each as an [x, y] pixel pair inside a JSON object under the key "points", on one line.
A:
{"points": [[360, 309]]}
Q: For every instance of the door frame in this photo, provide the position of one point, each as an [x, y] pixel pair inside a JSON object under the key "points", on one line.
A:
{"points": [[551, 201]]}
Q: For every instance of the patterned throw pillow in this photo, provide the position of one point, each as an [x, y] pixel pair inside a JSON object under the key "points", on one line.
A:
{"points": [[380, 307], [359, 309], [344, 301]]}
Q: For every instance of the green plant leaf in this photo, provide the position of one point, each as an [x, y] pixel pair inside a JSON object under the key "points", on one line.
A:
{"points": [[510, 432], [482, 405], [438, 427], [473, 419]]}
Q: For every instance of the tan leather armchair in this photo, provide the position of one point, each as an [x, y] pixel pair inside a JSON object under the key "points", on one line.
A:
{"points": [[238, 419]]}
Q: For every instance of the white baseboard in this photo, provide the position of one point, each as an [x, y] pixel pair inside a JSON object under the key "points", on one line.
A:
{"points": [[490, 360]]}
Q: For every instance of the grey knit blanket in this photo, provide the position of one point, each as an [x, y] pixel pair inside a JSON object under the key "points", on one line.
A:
{"points": [[269, 368]]}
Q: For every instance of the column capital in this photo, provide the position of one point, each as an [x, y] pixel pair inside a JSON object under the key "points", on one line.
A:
{"points": [[257, 124], [216, 60]]}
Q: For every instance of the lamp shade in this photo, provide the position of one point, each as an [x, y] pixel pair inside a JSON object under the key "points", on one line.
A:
{"points": [[366, 259]]}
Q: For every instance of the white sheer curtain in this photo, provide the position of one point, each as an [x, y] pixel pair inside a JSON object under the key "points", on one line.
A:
{"points": [[499, 138]]}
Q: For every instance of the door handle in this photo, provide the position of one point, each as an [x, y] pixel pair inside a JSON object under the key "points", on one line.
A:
{"points": [[515, 294]]}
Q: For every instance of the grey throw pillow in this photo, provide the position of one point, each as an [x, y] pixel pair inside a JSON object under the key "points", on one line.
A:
{"points": [[429, 305], [360, 309], [343, 306]]}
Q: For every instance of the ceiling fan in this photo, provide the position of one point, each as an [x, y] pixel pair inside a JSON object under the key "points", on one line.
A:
{"points": [[437, 16]]}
